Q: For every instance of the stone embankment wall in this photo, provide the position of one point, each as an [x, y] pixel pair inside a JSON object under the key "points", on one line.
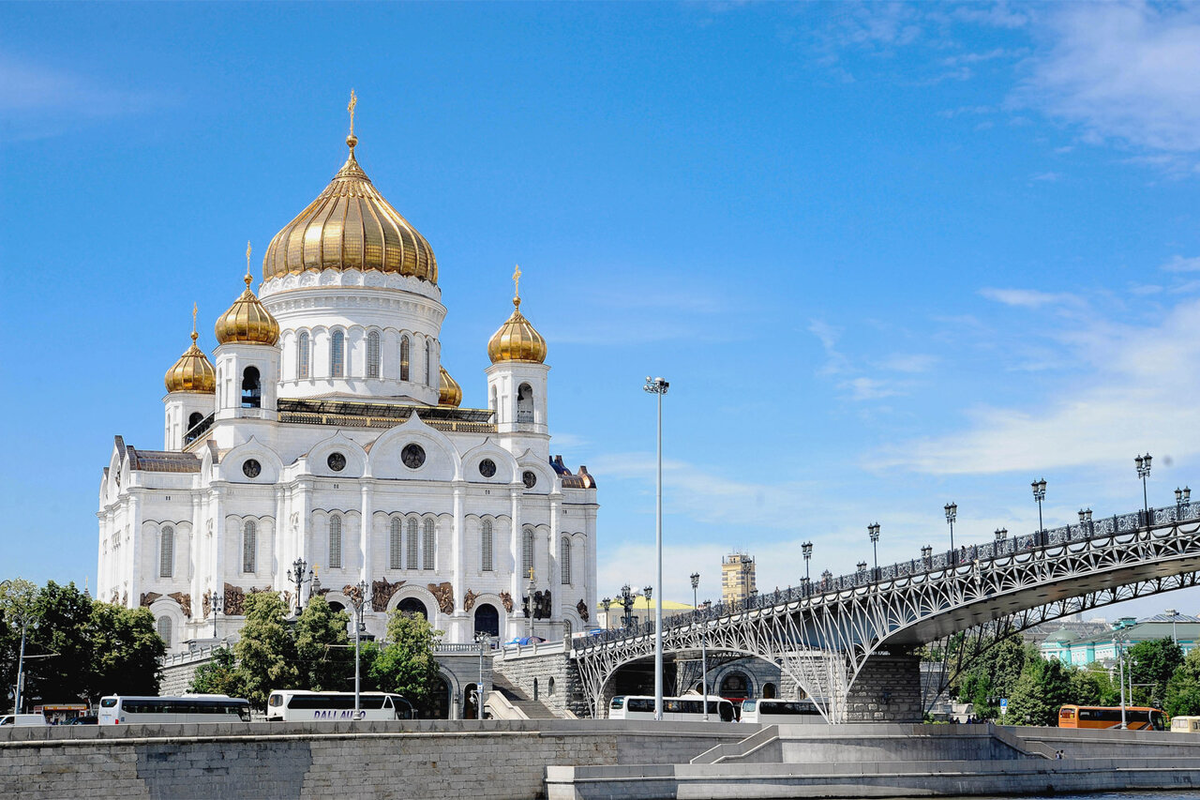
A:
{"points": [[887, 690], [501, 759], [551, 678]]}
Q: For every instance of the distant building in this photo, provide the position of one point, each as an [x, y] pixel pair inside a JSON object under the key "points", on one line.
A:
{"points": [[737, 577], [1070, 647]]}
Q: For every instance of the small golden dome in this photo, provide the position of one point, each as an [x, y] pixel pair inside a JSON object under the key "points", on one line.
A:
{"points": [[449, 392], [350, 226], [247, 322], [192, 372], [517, 339]]}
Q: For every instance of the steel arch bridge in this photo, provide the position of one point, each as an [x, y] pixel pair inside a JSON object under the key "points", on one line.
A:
{"points": [[823, 633]]}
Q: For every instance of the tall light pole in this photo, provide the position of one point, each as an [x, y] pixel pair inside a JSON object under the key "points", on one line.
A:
{"points": [[695, 576], [606, 602], [1039, 494], [357, 595], [1117, 642], [951, 515], [806, 549], [21, 602], [298, 575], [873, 532], [658, 387], [483, 639], [1143, 471], [1172, 613], [217, 603], [648, 593]]}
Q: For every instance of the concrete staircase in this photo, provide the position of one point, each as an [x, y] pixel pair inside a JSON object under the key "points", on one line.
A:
{"points": [[508, 702]]}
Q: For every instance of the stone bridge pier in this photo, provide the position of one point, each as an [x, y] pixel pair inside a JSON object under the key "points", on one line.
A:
{"points": [[888, 689]]}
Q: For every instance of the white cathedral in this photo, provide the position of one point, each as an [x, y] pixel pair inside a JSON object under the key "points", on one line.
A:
{"points": [[329, 433]]}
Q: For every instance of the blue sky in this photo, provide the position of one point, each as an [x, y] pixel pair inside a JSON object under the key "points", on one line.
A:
{"points": [[888, 255]]}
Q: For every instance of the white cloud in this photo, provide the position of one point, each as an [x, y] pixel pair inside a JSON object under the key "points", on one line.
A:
{"points": [[1123, 71], [1049, 177], [911, 363], [870, 389], [1181, 264], [835, 362], [1028, 298]]}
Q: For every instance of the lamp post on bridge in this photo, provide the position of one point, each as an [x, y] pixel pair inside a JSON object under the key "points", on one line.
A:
{"points": [[1039, 494], [627, 603], [658, 387], [606, 602], [695, 576], [1183, 497], [806, 549], [1143, 471], [951, 515], [873, 532], [1001, 534]]}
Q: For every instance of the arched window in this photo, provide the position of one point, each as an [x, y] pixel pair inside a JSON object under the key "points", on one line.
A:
{"points": [[411, 605], [164, 629], [564, 559], [373, 354], [335, 542], [487, 619], [428, 545], [428, 362], [302, 356], [526, 554], [251, 388], [396, 549], [166, 552], [485, 546], [525, 403], [411, 561], [405, 355], [249, 546], [337, 354], [195, 419]]}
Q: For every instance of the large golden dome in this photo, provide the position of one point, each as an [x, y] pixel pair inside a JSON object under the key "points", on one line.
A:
{"points": [[192, 372], [517, 340], [449, 392], [350, 226], [247, 322]]}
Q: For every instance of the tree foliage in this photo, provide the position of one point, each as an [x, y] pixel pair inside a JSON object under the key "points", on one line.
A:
{"points": [[1041, 689], [1150, 665], [1183, 688], [266, 652], [323, 660], [126, 651], [406, 663], [220, 676], [993, 676]]}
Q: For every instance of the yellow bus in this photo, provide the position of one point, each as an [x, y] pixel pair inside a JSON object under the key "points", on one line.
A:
{"points": [[1136, 717], [1185, 724]]}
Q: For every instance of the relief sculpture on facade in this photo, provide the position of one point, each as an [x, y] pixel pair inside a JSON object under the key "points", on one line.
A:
{"points": [[444, 594], [382, 591], [235, 600], [149, 597], [582, 608], [469, 600], [506, 600], [185, 602]]}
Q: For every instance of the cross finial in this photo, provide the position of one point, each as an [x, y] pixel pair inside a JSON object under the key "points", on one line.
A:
{"points": [[194, 336], [531, 574], [350, 108], [517, 285], [248, 279]]}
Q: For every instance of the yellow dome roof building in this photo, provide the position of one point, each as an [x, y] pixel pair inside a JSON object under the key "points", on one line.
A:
{"points": [[326, 431]]}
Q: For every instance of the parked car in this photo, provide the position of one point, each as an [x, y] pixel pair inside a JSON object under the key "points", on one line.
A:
{"points": [[86, 720], [23, 719]]}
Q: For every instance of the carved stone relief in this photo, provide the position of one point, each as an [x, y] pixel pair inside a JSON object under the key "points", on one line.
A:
{"points": [[444, 594]]}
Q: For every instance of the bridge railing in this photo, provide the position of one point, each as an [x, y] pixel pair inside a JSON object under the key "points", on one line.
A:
{"points": [[967, 554]]}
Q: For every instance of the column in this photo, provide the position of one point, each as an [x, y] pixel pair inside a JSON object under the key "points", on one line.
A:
{"points": [[135, 549], [278, 570], [459, 548], [516, 580], [217, 545], [195, 582], [554, 568], [367, 530]]}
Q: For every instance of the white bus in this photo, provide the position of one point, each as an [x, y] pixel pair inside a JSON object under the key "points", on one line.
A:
{"points": [[297, 705], [781, 712], [125, 710], [680, 709]]}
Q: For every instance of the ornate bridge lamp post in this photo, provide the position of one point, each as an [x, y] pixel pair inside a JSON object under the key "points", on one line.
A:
{"points": [[951, 515], [606, 602], [1039, 494], [217, 603], [483, 639], [873, 532], [806, 549], [1143, 471], [648, 593], [299, 574], [658, 387], [1001, 534], [1085, 520], [627, 604], [357, 595], [695, 576], [1183, 497]]}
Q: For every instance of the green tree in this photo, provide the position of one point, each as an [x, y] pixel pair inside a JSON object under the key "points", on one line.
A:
{"points": [[266, 652], [220, 676], [323, 660], [63, 615], [1041, 689], [126, 650], [18, 599], [992, 676], [1149, 667], [406, 663], [1183, 688]]}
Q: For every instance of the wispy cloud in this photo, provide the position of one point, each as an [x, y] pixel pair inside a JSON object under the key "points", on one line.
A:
{"points": [[1181, 264], [1029, 298], [1048, 177]]}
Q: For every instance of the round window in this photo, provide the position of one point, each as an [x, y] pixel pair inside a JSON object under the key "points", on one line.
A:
{"points": [[413, 456], [336, 462], [487, 468], [251, 468], [529, 478]]}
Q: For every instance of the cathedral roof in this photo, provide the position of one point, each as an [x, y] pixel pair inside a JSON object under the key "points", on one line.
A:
{"points": [[350, 226], [246, 321], [449, 392], [192, 372], [517, 339]]}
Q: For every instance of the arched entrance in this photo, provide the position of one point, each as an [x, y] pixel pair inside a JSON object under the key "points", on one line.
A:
{"points": [[411, 605], [439, 703], [768, 691], [487, 619], [469, 702], [735, 685]]}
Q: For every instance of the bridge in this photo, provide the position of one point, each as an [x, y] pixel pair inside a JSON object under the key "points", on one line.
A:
{"points": [[849, 641]]}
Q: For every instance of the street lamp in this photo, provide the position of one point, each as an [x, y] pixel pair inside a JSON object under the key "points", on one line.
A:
{"points": [[22, 605], [951, 515], [806, 548], [1118, 650], [483, 640], [357, 595], [217, 603], [299, 574], [1001, 534], [927, 552], [695, 576], [658, 387], [873, 532], [606, 602], [648, 593], [1039, 494], [529, 618], [1172, 613], [1143, 471], [627, 604]]}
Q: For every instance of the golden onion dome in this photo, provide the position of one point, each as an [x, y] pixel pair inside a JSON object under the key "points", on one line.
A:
{"points": [[517, 340], [350, 226], [192, 372], [449, 392], [247, 322]]}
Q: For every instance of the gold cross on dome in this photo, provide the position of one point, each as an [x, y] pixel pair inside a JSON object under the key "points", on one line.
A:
{"points": [[517, 280], [350, 108], [193, 317], [248, 278]]}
